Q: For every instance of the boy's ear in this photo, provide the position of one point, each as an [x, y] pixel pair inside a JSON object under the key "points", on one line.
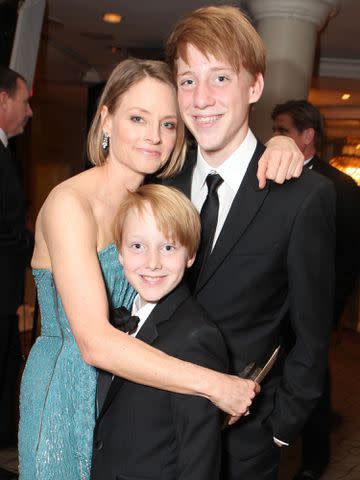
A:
{"points": [[121, 259], [190, 261], [256, 88]]}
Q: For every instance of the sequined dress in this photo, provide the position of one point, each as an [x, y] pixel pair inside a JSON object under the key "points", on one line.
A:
{"points": [[57, 399]]}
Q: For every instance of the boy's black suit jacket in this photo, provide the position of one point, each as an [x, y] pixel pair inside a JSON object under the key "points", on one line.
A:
{"points": [[272, 264], [146, 433]]}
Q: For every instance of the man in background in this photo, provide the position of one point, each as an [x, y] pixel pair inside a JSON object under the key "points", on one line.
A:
{"points": [[15, 246], [301, 121]]}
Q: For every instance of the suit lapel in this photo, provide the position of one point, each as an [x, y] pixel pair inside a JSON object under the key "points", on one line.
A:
{"points": [[149, 332], [245, 206]]}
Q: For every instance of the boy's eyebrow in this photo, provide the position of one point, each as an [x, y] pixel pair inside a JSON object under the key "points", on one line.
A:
{"points": [[213, 69]]}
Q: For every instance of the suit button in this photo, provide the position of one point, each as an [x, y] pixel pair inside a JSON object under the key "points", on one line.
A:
{"points": [[99, 444]]}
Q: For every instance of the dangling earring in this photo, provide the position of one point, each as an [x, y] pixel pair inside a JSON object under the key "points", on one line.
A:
{"points": [[105, 141]]}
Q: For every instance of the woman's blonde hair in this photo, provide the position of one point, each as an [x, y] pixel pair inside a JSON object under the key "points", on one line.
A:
{"points": [[174, 214], [123, 77]]}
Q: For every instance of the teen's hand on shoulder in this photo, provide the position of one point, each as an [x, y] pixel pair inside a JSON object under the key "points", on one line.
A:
{"points": [[235, 396], [281, 161]]}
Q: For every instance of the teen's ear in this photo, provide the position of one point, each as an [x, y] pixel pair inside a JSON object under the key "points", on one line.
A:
{"points": [[190, 261], [121, 259], [256, 88]]}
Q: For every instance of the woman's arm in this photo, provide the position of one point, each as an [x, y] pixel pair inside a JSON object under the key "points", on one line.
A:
{"points": [[70, 233], [281, 161]]}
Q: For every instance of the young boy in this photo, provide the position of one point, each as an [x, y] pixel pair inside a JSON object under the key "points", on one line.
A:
{"points": [[142, 432]]}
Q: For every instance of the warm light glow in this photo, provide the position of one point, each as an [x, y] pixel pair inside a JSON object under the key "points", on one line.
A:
{"points": [[112, 17], [345, 96], [115, 49], [349, 165]]}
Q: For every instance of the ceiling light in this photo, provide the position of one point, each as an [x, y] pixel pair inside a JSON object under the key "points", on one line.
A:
{"points": [[115, 49], [111, 17], [91, 76], [345, 96]]}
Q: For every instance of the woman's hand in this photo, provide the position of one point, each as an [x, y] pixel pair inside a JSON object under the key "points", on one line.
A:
{"points": [[281, 161], [234, 395]]}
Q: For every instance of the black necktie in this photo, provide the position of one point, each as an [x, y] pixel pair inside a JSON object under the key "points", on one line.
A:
{"points": [[209, 217], [121, 319]]}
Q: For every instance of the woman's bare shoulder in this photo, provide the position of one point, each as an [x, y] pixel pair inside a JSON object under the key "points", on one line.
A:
{"points": [[66, 215], [68, 204], [74, 192]]}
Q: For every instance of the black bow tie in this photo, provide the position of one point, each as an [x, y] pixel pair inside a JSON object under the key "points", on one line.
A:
{"points": [[121, 319]]}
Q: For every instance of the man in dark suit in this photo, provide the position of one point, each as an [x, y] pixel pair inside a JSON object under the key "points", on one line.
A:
{"points": [[269, 262], [143, 432], [14, 113], [303, 122]]}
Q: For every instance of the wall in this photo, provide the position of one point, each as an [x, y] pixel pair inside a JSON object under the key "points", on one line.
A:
{"points": [[57, 138]]}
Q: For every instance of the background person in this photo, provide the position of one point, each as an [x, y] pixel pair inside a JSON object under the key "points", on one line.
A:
{"points": [[15, 246], [303, 122]]}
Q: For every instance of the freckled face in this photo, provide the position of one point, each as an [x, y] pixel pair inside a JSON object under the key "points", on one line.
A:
{"points": [[153, 264], [143, 128], [214, 102]]}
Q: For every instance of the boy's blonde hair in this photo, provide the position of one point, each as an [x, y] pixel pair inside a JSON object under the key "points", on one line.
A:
{"points": [[221, 31], [174, 214]]}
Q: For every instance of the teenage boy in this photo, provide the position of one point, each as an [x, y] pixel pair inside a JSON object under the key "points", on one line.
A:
{"points": [[267, 253], [143, 432]]}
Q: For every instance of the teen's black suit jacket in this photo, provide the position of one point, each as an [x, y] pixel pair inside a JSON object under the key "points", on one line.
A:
{"points": [[272, 264], [347, 231], [144, 433]]}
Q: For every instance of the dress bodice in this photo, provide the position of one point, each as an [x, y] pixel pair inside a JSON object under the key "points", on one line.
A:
{"points": [[54, 322]]}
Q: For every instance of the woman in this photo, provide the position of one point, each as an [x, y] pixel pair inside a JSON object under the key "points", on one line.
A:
{"points": [[136, 131]]}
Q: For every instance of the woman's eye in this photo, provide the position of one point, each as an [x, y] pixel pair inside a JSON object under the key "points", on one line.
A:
{"points": [[221, 78], [136, 246], [136, 119]]}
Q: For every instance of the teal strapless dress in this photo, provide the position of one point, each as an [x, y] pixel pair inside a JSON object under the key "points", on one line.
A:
{"points": [[57, 399]]}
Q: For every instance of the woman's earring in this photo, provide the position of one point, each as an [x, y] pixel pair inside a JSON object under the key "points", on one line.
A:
{"points": [[105, 141]]}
